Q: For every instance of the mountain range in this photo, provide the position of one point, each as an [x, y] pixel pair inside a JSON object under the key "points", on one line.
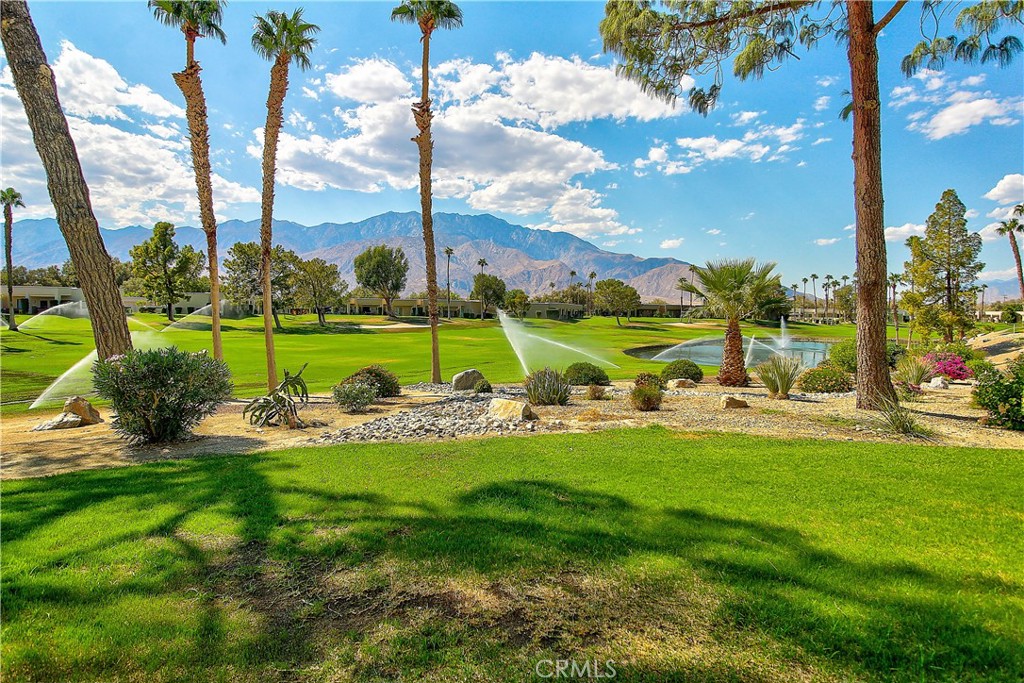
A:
{"points": [[526, 258]]}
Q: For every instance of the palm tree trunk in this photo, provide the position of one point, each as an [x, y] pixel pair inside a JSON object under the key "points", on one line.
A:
{"points": [[449, 278], [422, 115], [1016, 259], [12, 324], [275, 116], [733, 372], [895, 314], [69, 193], [191, 87], [873, 382]]}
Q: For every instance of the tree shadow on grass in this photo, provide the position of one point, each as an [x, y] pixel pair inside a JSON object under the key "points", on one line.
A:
{"points": [[886, 620]]}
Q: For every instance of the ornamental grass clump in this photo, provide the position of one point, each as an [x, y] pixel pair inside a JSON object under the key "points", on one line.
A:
{"points": [[779, 375], [913, 371], [596, 392], [895, 418], [547, 387], [161, 394], [645, 397]]}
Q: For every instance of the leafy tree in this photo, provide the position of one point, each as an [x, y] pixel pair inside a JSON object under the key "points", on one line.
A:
{"points": [[243, 283], [162, 271], [943, 267], [319, 286], [517, 303], [198, 19], [1010, 228], [488, 289], [845, 302], [616, 298], [383, 270], [661, 50], [429, 15], [734, 290], [69, 193], [10, 198], [281, 39]]}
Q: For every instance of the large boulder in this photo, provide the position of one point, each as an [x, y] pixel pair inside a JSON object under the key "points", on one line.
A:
{"points": [[77, 405], [939, 382], [62, 421], [729, 402], [504, 409], [465, 381]]}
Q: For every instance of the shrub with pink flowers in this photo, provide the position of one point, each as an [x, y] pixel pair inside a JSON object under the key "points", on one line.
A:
{"points": [[949, 365]]}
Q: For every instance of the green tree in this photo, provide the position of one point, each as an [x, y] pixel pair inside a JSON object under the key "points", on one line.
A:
{"points": [[10, 198], [943, 267], [281, 39], [383, 270], [487, 288], [734, 289], [616, 298], [162, 271], [517, 302], [198, 19], [661, 50], [429, 15], [895, 280], [1010, 228], [243, 282], [845, 302], [318, 285]]}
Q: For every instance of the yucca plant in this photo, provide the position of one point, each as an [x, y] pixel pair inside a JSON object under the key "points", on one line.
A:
{"points": [[282, 404], [547, 387], [779, 375], [914, 371], [896, 418]]}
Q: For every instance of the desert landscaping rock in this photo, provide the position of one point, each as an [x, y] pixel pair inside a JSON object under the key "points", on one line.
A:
{"points": [[684, 384], [938, 383], [504, 409], [465, 381], [730, 402], [62, 421], [83, 409]]}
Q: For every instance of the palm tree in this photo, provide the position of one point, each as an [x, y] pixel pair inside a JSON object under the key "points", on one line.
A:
{"points": [[483, 264], [829, 288], [591, 276], [281, 39], [981, 311], [895, 280], [681, 286], [804, 299], [734, 289], [198, 19], [430, 15], [37, 88], [572, 276], [483, 308], [795, 292], [10, 198], [449, 252], [1010, 228], [814, 290]]}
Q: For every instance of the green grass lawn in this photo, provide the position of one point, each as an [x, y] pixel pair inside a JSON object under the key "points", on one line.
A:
{"points": [[31, 359], [681, 557]]}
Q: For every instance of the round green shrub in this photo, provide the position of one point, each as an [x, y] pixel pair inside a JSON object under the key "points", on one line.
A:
{"points": [[1002, 395], [844, 355], [825, 380], [645, 397], [384, 382], [483, 387], [354, 397], [649, 379], [583, 374], [161, 394], [684, 368]]}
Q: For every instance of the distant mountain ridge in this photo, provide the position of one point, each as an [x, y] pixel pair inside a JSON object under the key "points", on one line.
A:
{"points": [[524, 257]]}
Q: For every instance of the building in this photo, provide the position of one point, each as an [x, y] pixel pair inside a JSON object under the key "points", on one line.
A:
{"points": [[33, 299]]}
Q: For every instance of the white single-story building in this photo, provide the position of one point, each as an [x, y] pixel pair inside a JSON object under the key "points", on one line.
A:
{"points": [[32, 299]]}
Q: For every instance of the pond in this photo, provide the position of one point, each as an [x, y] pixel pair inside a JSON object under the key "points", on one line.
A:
{"points": [[708, 351]]}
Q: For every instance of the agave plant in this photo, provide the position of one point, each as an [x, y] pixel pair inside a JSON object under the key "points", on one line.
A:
{"points": [[914, 371], [547, 387], [779, 375], [282, 404]]}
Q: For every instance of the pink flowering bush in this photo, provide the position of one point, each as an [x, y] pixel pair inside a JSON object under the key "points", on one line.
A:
{"points": [[949, 365]]}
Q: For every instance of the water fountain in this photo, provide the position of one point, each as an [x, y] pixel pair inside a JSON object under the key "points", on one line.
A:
{"points": [[524, 344]]}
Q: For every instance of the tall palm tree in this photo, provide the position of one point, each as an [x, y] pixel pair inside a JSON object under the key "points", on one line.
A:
{"points": [[829, 285], [429, 15], [198, 19], [895, 280], [981, 311], [591, 276], [10, 198], [483, 308], [572, 276], [69, 193], [795, 292], [281, 39], [483, 264], [814, 290], [1010, 228], [734, 289], [804, 300], [449, 252], [681, 286]]}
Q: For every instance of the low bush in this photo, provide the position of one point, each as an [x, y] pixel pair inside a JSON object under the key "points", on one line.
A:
{"points": [[384, 382], [898, 419], [1002, 395], [645, 397], [483, 387], [825, 379], [596, 392], [914, 371], [354, 397], [959, 348], [161, 394], [981, 368], [949, 364], [683, 368], [779, 374], [649, 379], [843, 355], [583, 374], [894, 352], [547, 387]]}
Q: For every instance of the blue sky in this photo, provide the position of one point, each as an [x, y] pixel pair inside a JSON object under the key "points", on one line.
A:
{"points": [[532, 126]]}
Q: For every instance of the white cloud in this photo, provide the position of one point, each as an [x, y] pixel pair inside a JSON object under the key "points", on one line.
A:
{"points": [[1009, 189], [713, 231], [851, 227], [827, 81], [946, 108], [971, 213], [674, 243], [989, 275], [368, 80], [820, 141], [989, 234], [965, 113], [821, 104], [973, 81], [826, 241], [902, 232], [744, 118]]}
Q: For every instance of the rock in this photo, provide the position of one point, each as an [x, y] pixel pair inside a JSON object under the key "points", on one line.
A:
{"points": [[733, 402], [504, 409], [83, 409], [684, 384], [465, 381], [938, 383], [62, 421]]}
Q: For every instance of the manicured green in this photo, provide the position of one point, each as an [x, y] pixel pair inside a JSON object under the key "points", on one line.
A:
{"points": [[679, 556]]}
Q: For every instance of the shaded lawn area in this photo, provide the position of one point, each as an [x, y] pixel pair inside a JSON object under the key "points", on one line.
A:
{"points": [[681, 557]]}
